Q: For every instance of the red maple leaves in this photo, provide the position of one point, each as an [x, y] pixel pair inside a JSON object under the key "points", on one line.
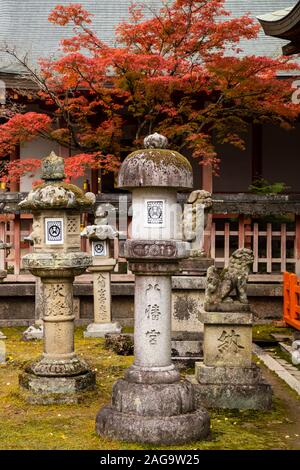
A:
{"points": [[180, 72]]}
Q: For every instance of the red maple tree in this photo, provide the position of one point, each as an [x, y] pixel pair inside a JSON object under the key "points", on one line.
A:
{"points": [[179, 72]]}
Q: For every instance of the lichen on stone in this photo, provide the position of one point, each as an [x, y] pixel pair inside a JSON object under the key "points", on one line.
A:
{"points": [[56, 195], [154, 167]]}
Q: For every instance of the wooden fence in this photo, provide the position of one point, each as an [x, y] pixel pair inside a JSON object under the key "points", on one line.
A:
{"points": [[276, 246]]}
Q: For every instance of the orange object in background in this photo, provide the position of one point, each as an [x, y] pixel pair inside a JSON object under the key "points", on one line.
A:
{"points": [[291, 300]]}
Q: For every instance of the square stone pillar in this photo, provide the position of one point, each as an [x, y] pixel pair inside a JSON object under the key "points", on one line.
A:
{"points": [[228, 378], [100, 236]]}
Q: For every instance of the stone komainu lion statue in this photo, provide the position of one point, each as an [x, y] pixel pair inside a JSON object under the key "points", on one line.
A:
{"points": [[220, 284]]}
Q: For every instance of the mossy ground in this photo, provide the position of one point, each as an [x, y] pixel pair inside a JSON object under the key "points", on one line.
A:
{"points": [[25, 426], [263, 332]]}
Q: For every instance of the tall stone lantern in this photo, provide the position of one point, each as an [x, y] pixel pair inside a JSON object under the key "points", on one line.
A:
{"points": [[59, 375], [100, 236], [152, 404]]}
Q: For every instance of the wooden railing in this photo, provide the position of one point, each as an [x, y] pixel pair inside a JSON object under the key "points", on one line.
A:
{"points": [[275, 242], [291, 302], [275, 246]]}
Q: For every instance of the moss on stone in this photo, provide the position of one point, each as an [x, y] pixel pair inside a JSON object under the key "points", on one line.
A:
{"points": [[80, 197], [162, 157], [25, 426]]}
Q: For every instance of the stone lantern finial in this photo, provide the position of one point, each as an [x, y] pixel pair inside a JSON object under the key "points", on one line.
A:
{"points": [[53, 168], [155, 141]]}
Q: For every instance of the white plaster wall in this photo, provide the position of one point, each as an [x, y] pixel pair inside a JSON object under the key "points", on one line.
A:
{"points": [[40, 148]]}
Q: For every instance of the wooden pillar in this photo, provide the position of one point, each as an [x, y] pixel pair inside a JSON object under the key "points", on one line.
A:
{"points": [[257, 167], [17, 243], [64, 152], [241, 231], [245, 241], [3, 239], [95, 187], [207, 184], [207, 178], [15, 186]]}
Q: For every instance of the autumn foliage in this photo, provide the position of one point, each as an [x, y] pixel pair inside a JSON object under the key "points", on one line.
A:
{"points": [[179, 71]]}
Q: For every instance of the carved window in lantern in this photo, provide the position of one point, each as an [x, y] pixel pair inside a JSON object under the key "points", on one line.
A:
{"points": [[73, 225]]}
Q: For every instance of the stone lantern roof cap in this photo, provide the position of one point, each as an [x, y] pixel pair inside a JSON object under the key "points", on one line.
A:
{"points": [[156, 166], [55, 193]]}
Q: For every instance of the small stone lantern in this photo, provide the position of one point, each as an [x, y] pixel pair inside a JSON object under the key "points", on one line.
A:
{"points": [[59, 375], [152, 404], [100, 235]]}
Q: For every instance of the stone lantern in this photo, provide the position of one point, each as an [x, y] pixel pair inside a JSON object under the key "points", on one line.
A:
{"points": [[100, 236], [59, 375], [152, 404]]}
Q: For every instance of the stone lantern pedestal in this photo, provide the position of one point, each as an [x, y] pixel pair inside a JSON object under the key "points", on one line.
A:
{"points": [[59, 376], [99, 236], [228, 378], [102, 324], [151, 404]]}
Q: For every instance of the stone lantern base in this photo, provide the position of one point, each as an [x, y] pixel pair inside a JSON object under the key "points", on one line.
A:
{"points": [[33, 332], [46, 382], [231, 388], [228, 378], [99, 330], [153, 413], [2, 335]]}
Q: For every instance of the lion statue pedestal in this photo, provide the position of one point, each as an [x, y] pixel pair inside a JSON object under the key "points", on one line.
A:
{"points": [[227, 378]]}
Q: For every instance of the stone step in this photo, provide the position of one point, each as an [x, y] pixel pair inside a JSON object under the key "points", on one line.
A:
{"points": [[286, 347]]}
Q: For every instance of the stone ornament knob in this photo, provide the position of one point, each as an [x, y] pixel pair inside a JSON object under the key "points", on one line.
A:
{"points": [[155, 141], [53, 168]]}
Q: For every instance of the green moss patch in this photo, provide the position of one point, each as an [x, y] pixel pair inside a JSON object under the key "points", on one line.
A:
{"points": [[25, 426], [264, 332]]}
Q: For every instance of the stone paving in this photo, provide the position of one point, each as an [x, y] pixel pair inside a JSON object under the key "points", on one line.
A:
{"points": [[283, 368]]}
